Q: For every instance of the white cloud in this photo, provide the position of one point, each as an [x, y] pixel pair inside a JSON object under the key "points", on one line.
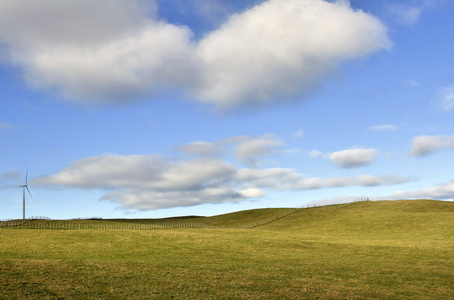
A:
{"points": [[201, 148], [443, 191], [384, 127], [352, 158], [336, 200], [5, 125], [446, 96], [252, 193], [211, 10], [289, 179], [349, 158], [140, 172], [8, 126], [317, 154], [272, 178], [412, 82], [410, 14], [428, 144], [81, 22], [149, 199], [283, 48], [369, 180], [248, 150], [108, 51], [10, 179], [299, 134], [95, 51], [252, 151], [406, 15], [144, 182], [126, 68]]}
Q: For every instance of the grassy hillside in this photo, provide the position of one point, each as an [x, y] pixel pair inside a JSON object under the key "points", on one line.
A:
{"points": [[241, 219], [366, 218], [388, 217], [412, 220], [364, 250]]}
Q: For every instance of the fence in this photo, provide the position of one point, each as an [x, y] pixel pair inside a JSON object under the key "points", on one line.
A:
{"points": [[74, 225], [271, 219], [82, 226]]}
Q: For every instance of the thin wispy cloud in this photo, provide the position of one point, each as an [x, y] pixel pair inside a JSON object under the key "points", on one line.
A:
{"points": [[123, 51], [299, 134], [10, 179], [412, 83], [5, 125], [444, 191], [253, 152], [384, 127], [410, 14], [214, 11], [446, 98], [405, 14], [289, 179], [317, 154], [339, 200], [8, 126], [201, 148]]}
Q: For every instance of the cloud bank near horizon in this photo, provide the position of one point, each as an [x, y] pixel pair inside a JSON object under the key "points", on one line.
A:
{"points": [[146, 182], [443, 191], [123, 51]]}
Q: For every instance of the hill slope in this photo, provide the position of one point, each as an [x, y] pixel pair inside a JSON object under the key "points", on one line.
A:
{"points": [[406, 219], [367, 219], [364, 250]]}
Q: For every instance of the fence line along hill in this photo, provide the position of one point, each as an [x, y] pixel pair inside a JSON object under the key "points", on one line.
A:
{"points": [[365, 217]]}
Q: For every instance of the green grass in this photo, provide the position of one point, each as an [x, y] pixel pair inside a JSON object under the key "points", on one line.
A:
{"points": [[241, 219], [365, 250]]}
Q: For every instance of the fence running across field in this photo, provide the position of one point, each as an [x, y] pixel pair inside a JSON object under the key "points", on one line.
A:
{"points": [[75, 226], [271, 219], [47, 223]]}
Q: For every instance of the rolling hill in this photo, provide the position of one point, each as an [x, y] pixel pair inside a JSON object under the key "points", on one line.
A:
{"points": [[362, 250]]}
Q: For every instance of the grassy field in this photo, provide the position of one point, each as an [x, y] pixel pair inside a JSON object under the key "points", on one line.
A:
{"points": [[364, 250]]}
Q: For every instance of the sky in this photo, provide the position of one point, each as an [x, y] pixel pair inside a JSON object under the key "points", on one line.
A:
{"points": [[161, 108]]}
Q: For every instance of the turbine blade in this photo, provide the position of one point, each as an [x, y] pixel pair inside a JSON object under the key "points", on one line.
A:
{"points": [[26, 177], [29, 192]]}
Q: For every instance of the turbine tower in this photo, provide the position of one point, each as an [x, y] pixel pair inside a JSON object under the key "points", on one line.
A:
{"points": [[25, 187]]}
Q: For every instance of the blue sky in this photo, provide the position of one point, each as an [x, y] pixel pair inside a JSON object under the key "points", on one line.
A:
{"points": [[148, 109]]}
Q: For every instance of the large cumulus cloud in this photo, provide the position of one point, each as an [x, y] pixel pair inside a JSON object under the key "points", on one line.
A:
{"points": [[282, 48], [111, 51]]}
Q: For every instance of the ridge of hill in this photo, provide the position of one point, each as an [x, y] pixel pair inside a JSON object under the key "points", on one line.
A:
{"points": [[378, 218], [424, 221], [364, 215]]}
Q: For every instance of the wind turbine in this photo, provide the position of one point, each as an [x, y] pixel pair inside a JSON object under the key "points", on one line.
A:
{"points": [[25, 187]]}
